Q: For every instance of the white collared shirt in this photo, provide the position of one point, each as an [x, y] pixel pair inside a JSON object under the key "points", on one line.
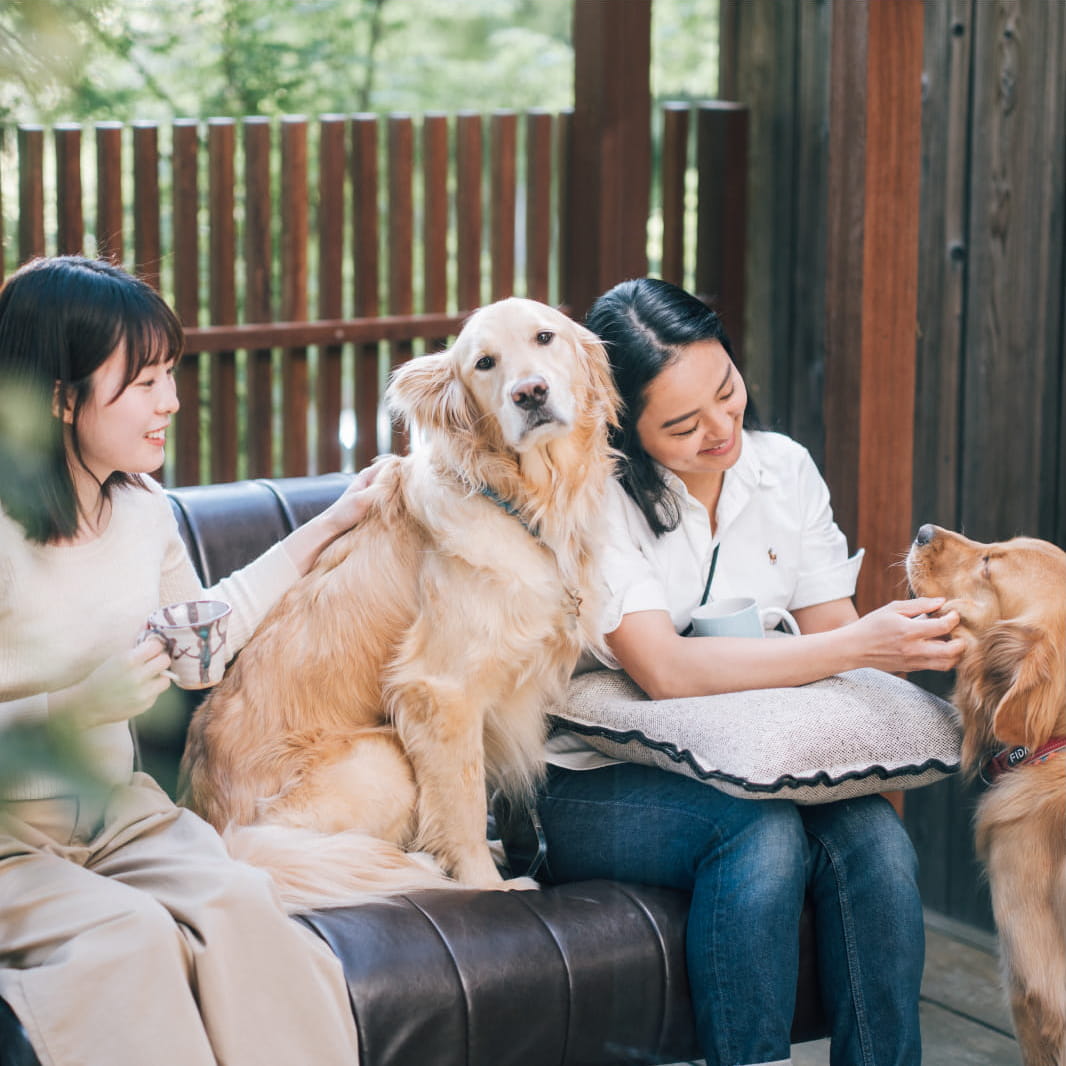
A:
{"points": [[777, 543], [776, 536]]}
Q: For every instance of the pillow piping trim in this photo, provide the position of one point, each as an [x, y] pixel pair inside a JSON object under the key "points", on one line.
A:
{"points": [[785, 781]]}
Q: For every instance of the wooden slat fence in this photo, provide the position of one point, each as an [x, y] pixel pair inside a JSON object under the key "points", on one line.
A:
{"points": [[307, 258]]}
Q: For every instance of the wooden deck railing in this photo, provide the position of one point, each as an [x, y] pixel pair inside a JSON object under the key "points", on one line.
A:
{"points": [[307, 258]]}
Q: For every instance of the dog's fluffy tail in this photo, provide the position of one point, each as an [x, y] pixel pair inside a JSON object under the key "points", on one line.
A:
{"points": [[313, 869]]}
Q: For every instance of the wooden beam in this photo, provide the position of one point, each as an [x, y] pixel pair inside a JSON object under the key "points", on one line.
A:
{"points": [[300, 334], [609, 176], [872, 280]]}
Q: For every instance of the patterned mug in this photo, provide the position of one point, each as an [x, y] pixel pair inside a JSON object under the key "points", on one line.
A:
{"points": [[194, 634]]}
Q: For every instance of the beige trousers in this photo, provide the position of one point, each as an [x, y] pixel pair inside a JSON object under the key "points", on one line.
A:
{"points": [[141, 943]]}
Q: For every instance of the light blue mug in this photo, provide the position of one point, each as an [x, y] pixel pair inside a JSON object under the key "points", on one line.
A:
{"points": [[738, 617]]}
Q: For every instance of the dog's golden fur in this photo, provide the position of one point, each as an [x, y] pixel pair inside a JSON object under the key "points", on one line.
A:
{"points": [[1011, 691], [412, 667]]}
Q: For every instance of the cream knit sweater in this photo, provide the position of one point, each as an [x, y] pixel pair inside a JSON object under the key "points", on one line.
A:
{"points": [[63, 610]]}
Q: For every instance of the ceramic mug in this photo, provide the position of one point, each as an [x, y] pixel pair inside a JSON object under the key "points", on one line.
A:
{"points": [[738, 617], [194, 634]]}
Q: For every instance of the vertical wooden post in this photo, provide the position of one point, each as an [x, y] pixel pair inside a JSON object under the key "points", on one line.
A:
{"points": [[872, 280], [70, 221], [366, 300], [109, 221], [147, 238], [469, 216], [722, 214], [295, 230], [503, 170], [186, 251], [539, 153], [31, 192], [222, 256], [435, 174], [609, 176], [401, 235], [258, 293], [332, 161]]}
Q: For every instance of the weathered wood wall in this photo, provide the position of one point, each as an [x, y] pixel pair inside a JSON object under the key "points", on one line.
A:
{"points": [[991, 347], [990, 397], [775, 58]]}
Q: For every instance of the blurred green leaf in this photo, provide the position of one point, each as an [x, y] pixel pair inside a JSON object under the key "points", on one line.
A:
{"points": [[48, 748]]}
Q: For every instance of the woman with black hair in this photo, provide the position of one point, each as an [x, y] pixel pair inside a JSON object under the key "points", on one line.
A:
{"points": [[128, 935], [704, 498]]}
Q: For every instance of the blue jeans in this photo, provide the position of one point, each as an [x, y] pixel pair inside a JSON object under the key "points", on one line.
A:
{"points": [[748, 865]]}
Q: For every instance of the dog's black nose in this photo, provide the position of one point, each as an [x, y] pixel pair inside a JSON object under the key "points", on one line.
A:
{"points": [[530, 394], [925, 534]]}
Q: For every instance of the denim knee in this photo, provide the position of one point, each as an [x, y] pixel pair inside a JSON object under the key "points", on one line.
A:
{"points": [[865, 834], [761, 857]]}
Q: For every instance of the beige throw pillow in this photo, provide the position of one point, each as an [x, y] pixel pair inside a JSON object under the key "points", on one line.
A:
{"points": [[854, 733]]}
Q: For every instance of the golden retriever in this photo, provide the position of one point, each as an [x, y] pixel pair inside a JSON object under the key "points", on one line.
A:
{"points": [[1011, 694], [413, 667]]}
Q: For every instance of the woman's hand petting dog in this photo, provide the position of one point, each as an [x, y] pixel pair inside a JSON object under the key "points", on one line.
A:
{"points": [[908, 635], [304, 545], [352, 505]]}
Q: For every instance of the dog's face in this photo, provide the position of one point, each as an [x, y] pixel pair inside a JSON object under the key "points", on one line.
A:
{"points": [[1011, 601], [517, 361], [518, 372]]}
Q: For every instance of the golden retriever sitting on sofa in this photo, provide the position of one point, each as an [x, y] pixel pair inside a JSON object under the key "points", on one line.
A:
{"points": [[1011, 695], [413, 667]]}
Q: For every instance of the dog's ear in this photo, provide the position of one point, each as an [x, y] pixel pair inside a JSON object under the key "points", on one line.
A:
{"points": [[1023, 662], [598, 368], [427, 392]]}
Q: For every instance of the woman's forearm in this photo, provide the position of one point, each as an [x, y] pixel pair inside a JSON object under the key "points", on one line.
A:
{"points": [[702, 666], [897, 638]]}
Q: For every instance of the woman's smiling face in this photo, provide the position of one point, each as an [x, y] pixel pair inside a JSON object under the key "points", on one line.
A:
{"points": [[123, 427], [693, 412]]}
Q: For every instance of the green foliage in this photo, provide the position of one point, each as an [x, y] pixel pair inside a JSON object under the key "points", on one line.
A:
{"points": [[40, 747], [54, 749], [39, 56], [684, 49], [93, 60]]}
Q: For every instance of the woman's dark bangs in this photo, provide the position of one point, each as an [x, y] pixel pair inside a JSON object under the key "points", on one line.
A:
{"points": [[150, 341]]}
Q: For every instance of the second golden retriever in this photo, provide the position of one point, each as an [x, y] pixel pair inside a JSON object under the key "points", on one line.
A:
{"points": [[412, 668], [1011, 696]]}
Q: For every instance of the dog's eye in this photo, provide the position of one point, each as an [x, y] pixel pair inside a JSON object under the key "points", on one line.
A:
{"points": [[545, 336], [486, 362]]}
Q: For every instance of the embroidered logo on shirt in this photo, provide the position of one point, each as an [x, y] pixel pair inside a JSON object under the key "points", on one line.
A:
{"points": [[772, 554]]}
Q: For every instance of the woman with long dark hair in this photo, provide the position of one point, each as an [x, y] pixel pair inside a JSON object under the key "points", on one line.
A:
{"points": [[706, 503]]}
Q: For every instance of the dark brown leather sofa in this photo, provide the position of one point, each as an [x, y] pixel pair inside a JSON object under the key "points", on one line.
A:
{"points": [[586, 973]]}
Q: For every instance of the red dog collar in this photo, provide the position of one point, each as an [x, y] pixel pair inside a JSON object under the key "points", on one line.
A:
{"points": [[1012, 758]]}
